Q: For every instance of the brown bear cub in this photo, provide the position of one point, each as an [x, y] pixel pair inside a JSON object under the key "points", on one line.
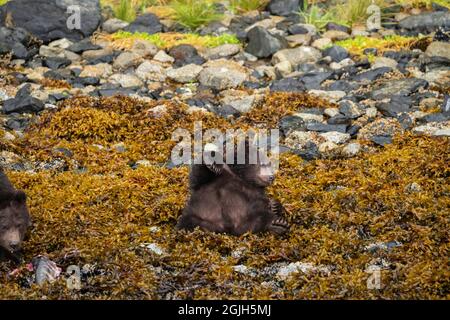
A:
{"points": [[14, 219], [231, 198]]}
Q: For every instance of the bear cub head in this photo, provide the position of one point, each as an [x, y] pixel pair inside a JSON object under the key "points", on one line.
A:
{"points": [[14, 221]]}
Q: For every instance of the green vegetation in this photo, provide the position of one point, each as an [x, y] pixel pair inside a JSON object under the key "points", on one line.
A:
{"points": [[423, 3], [240, 6], [357, 44], [2, 2], [316, 16], [168, 40], [125, 11], [194, 13]]}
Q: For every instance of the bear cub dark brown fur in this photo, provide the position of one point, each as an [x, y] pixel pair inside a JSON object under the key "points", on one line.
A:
{"points": [[232, 199], [14, 219]]}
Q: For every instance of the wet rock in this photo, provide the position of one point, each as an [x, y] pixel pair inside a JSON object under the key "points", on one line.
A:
{"points": [[23, 102], [148, 23], [185, 54], [185, 74], [222, 74], [113, 25], [48, 20], [262, 44]]}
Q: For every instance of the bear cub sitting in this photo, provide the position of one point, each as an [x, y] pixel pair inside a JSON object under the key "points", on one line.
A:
{"points": [[231, 198], [14, 219]]}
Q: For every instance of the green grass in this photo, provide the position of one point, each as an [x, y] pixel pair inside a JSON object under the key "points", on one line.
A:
{"points": [[125, 11], [2, 2], [194, 13], [316, 16], [167, 40], [240, 6]]}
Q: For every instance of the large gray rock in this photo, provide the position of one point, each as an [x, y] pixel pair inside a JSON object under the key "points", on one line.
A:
{"points": [[402, 87], [48, 19], [262, 44], [439, 49], [284, 7], [297, 56], [223, 74], [426, 22]]}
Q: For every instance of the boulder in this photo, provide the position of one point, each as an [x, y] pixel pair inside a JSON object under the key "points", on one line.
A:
{"points": [[148, 23], [285, 7], [262, 44], [50, 19]]}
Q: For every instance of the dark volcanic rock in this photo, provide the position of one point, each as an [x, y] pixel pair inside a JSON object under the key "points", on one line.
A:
{"points": [[403, 87], [262, 44], [291, 123], [371, 75], [48, 19], [426, 22], [16, 41], [56, 62], [336, 53], [23, 102], [323, 127], [396, 105], [148, 23], [338, 27], [308, 81], [185, 54], [83, 45], [284, 7]]}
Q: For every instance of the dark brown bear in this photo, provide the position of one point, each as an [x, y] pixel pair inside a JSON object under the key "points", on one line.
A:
{"points": [[232, 199], [14, 219]]}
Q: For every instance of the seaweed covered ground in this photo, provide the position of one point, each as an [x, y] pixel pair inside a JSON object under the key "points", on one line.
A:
{"points": [[110, 202]]}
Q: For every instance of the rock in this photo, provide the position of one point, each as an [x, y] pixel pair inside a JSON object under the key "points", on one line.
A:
{"points": [[148, 23], [396, 105], [185, 54], [153, 247], [126, 80], [323, 127], [163, 57], [371, 75], [283, 69], [336, 53], [291, 123], [338, 27], [48, 20], [380, 131], [304, 140], [303, 83], [321, 43], [83, 45], [238, 100], [223, 74], [150, 71], [446, 105], [284, 7], [23, 102], [51, 52], [434, 128], [439, 49], [331, 112], [185, 74], [61, 43], [126, 60], [101, 70], [381, 62], [297, 56], [402, 87], [16, 41], [350, 109], [336, 137], [336, 35], [342, 64], [302, 28], [332, 96], [56, 63], [327, 147], [113, 25], [351, 149], [262, 44], [426, 22], [297, 40], [223, 51], [144, 48]]}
